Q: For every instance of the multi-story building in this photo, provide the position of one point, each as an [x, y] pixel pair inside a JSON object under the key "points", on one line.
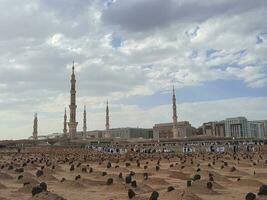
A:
{"points": [[256, 129], [121, 133], [236, 127], [165, 130], [214, 129], [131, 133], [265, 128]]}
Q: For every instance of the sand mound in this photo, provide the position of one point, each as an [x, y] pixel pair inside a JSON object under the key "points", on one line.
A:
{"points": [[259, 198], [72, 184], [90, 182], [217, 176], [261, 175], [27, 174], [244, 165], [179, 175], [200, 187], [141, 175], [48, 171], [47, 177], [5, 176], [47, 196], [27, 188], [2, 186], [115, 187], [215, 185], [157, 181], [28, 179], [236, 172], [249, 183], [142, 188], [120, 169], [179, 195]]}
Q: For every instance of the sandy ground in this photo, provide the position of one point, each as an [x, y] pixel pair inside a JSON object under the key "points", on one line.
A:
{"points": [[233, 176]]}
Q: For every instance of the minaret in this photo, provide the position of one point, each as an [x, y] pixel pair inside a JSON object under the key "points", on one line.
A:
{"points": [[174, 115], [65, 123], [84, 123], [35, 127], [72, 123], [107, 135]]}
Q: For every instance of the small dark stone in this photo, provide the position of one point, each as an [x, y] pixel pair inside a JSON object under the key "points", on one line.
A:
{"points": [[134, 184], [120, 175], [211, 178], [110, 181], [104, 173], [72, 167], [43, 185], [250, 196], [232, 169], [170, 188], [20, 177], [145, 176], [131, 194], [10, 167], [39, 173], [196, 177], [26, 183], [77, 177], [128, 179], [189, 183], [154, 195], [157, 168], [132, 173], [36, 190], [62, 180], [209, 185], [109, 165], [127, 164], [84, 169], [90, 170], [263, 190], [145, 167], [198, 169]]}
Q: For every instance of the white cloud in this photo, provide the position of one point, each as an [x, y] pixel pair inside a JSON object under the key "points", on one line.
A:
{"points": [[169, 46], [253, 76]]}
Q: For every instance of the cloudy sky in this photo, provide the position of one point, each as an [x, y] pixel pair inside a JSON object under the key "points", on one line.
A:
{"points": [[131, 52]]}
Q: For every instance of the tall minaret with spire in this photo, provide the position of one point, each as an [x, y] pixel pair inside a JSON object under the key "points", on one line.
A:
{"points": [[65, 123], [35, 127], [174, 115], [72, 123], [107, 135], [84, 123]]}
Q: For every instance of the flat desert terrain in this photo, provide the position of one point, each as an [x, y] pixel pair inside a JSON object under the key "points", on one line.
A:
{"points": [[55, 173]]}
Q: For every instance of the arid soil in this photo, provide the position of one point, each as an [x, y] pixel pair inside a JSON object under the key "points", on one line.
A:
{"points": [[78, 174]]}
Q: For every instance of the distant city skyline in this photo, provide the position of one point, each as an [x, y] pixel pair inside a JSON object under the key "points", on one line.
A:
{"points": [[214, 54]]}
